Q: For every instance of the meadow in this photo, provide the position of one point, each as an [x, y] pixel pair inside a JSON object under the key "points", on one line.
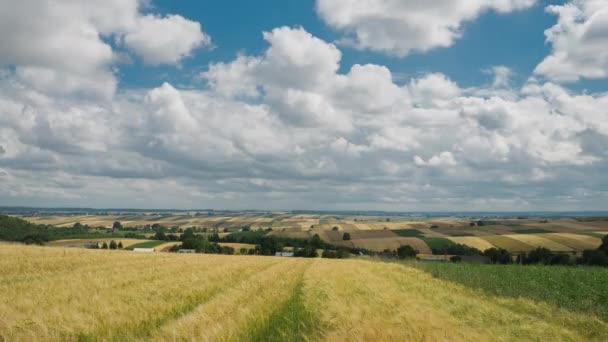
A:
{"points": [[61, 294]]}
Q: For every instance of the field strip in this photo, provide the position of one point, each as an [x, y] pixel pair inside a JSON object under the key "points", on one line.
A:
{"points": [[355, 304], [472, 241], [219, 279], [538, 241], [291, 321], [227, 314], [379, 302], [575, 241], [513, 319], [107, 302], [42, 270]]}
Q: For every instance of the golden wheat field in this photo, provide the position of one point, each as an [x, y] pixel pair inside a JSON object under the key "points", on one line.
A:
{"points": [[57, 294]]}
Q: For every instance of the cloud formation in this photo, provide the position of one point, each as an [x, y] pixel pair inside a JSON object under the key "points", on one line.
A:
{"points": [[285, 128], [69, 42], [400, 27], [579, 41]]}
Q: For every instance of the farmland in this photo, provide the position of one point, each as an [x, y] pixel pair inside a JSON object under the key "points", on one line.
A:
{"points": [[573, 288], [376, 233], [75, 294]]}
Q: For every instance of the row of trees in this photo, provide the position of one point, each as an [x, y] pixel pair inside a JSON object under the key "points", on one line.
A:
{"points": [[111, 245]]}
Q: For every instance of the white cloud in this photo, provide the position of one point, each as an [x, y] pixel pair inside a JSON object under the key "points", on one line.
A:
{"points": [[401, 27], [444, 158], [579, 41], [165, 40], [66, 42], [287, 129]]}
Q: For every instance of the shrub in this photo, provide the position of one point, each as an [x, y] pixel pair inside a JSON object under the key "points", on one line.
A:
{"points": [[498, 256], [104, 246], [594, 258], [406, 251], [456, 258], [113, 244], [335, 228]]}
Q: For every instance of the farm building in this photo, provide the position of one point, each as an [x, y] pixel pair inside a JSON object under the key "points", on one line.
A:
{"points": [[186, 251], [284, 254], [144, 250], [434, 258]]}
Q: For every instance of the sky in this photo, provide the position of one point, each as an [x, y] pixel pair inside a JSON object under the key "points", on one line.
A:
{"points": [[396, 105]]}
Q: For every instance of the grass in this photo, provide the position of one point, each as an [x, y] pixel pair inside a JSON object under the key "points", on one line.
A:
{"points": [[580, 289], [408, 233], [147, 244], [56, 294], [437, 242]]}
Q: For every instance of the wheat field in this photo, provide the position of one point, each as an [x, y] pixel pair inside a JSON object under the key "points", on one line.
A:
{"points": [[56, 294]]}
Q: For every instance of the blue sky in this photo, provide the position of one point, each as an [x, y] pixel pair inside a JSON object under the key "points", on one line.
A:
{"points": [[305, 104], [515, 40]]}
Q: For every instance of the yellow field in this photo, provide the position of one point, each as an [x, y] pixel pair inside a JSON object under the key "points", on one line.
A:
{"points": [[539, 241], [56, 294], [473, 241]]}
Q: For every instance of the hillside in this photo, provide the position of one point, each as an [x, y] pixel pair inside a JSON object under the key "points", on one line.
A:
{"points": [[73, 294]]}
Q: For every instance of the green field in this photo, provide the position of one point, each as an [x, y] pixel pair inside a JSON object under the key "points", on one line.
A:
{"points": [[408, 232], [583, 289], [438, 243]]}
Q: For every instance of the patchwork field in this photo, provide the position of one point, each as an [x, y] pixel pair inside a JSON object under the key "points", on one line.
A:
{"points": [[56, 294], [373, 232]]}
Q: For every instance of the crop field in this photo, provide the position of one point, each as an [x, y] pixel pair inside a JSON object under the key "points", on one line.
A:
{"points": [[372, 232], [57, 294], [508, 243], [473, 241], [579, 289], [540, 241]]}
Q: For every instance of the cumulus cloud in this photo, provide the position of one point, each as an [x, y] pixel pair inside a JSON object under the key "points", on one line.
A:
{"points": [[579, 41], [165, 40], [288, 129], [66, 42], [401, 27]]}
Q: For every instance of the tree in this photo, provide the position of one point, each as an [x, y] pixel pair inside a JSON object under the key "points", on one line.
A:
{"points": [[594, 257], [346, 237], [406, 251], [188, 234], [120, 245], [116, 225], [104, 246], [540, 255], [316, 242], [160, 236], [604, 245], [498, 256], [113, 244]]}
